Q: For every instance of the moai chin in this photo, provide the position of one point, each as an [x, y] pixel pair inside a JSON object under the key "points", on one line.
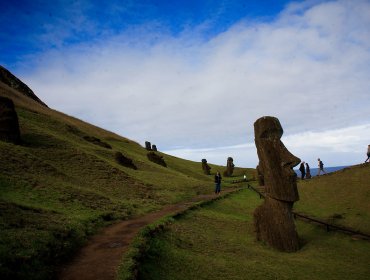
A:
{"points": [[273, 220]]}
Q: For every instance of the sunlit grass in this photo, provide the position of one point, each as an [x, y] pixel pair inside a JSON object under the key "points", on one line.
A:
{"points": [[217, 242]]}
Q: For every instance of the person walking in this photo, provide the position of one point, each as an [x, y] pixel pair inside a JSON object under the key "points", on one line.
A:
{"points": [[321, 167], [218, 179], [302, 169], [368, 153], [308, 172]]}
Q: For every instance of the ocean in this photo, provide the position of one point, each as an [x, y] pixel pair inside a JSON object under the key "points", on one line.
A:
{"points": [[315, 170]]}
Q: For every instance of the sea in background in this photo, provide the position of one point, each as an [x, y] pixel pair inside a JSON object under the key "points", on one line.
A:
{"points": [[315, 170]]}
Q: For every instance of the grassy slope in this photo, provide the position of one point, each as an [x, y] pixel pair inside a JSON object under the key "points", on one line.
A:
{"points": [[341, 197], [56, 188], [217, 242]]}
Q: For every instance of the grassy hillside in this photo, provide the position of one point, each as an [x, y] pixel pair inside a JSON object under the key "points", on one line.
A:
{"points": [[56, 187], [218, 242], [341, 197]]}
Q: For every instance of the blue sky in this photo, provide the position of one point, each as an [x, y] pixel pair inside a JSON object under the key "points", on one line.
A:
{"points": [[193, 76], [36, 26]]}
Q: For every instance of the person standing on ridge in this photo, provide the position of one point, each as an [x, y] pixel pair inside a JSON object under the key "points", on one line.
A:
{"points": [[368, 153], [321, 167], [218, 179], [302, 169], [308, 172]]}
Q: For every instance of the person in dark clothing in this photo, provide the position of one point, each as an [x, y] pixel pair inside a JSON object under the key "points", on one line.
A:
{"points": [[303, 170], [308, 172], [218, 179]]}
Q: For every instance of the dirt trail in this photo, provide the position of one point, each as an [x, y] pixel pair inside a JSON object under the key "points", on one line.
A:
{"points": [[100, 258]]}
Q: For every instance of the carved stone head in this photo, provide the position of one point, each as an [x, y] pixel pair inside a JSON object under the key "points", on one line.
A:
{"points": [[275, 161]]}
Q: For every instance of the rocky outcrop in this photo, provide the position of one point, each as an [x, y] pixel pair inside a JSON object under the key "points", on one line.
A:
{"points": [[12, 81], [97, 141], [153, 157], [125, 161], [9, 125], [206, 168], [273, 220]]}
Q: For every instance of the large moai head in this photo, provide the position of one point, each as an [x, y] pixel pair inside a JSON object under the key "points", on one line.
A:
{"points": [[9, 125], [275, 161]]}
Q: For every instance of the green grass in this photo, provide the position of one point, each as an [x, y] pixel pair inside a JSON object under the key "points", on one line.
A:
{"points": [[56, 188], [217, 242], [341, 198]]}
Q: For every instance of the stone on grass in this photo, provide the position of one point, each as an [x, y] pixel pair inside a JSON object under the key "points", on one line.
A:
{"points": [[9, 125]]}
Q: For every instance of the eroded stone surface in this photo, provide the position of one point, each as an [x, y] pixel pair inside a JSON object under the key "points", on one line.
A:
{"points": [[273, 220]]}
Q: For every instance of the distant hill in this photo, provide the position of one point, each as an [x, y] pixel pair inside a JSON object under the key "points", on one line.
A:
{"points": [[12, 81], [64, 181]]}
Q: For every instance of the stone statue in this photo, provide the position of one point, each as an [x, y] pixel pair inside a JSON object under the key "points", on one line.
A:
{"points": [[206, 168], [154, 148], [273, 220], [9, 125], [229, 167], [148, 146]]}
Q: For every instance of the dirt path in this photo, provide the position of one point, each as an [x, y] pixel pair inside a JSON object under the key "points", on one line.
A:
{"points": [[100, 258]]}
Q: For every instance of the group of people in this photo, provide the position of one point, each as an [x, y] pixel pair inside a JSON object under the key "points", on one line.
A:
{"points": [[304, 168]]}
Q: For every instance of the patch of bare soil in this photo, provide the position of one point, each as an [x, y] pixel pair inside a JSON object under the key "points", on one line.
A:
{"points": [[100, 258]]}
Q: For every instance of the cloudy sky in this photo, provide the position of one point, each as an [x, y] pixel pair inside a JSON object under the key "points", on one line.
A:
{"points": [[192, 76]]}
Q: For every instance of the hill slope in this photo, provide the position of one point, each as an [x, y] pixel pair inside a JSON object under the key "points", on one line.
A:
{"points": [[63, 182], [340, 197]]}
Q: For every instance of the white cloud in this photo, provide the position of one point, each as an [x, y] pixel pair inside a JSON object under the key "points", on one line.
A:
{"points": [[339, 147], [309, 68]]}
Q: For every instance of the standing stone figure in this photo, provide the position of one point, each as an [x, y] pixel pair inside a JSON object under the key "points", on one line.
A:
{"points": [[9, 125], [154, 148], [206, 168], [148, 146], [273, 220], [229, 167]]}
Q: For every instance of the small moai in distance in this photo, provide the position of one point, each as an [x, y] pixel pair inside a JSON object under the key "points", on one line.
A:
{"points": [[206, 168], [273, 220], [148, 146], [9, 125], [229, 167], [154, 148]]}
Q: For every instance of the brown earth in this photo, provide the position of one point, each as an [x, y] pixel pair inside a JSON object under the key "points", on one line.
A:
{"points": [[100, 258]]}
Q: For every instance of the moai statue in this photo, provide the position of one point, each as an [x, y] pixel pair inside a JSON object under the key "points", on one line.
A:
{"points": [[9, 125], [273, 220], [154, 148], [148, 146], [230, 166], [261, 181], [206, 168]]}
